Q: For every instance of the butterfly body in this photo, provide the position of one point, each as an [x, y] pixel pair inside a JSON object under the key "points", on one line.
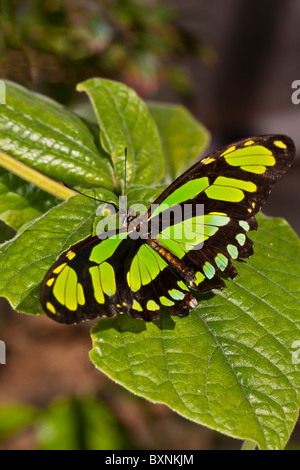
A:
{"points": [[138, 269]]}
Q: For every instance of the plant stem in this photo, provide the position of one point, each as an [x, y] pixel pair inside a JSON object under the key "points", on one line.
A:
{"points": [[248, 445], [35, 177]]}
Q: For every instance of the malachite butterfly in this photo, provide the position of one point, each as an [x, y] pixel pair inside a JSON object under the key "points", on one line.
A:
{"points": [[122, 273]]}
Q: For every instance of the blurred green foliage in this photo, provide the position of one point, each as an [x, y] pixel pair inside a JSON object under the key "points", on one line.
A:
{"points": [[84, 423], [54, 44]]}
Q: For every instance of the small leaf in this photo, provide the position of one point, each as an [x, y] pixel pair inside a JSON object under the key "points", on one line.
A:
{"points": [[183, 137], [20, 201], [125, 121], [229, 364], [45, 136]]}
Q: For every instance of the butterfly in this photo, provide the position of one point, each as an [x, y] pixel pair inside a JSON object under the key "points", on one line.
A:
{"points": [[139, 275]]}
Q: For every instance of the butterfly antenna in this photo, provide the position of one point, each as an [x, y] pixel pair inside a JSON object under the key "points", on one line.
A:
{"points": [[125, 171], [90, 197]]}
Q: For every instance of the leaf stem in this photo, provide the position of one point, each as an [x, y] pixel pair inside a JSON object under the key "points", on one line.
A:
{"points": [[248, 445], [35, 177]]}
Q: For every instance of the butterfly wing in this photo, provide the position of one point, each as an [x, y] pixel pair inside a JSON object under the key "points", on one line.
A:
{"points": [[236, 179]]}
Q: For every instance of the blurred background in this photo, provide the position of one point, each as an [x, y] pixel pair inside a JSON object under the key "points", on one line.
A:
{"points": [[232, 64]]}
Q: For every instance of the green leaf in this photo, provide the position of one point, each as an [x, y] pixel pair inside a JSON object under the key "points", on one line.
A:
{"points": [[45, 136], [229, 364], [183, 137], [79, 424], [15, 417], [20, 201], [25, 259], [125, 121], [144, 194]]}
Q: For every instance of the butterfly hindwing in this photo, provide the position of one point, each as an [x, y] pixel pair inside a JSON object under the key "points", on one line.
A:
{"points": [[95, 278], [155, 284], [82, 284]]}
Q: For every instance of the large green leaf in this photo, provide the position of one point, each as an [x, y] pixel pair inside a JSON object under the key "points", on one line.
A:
{"points": [[125, 121], [183, 137], [229, 364], [45, 136]]}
